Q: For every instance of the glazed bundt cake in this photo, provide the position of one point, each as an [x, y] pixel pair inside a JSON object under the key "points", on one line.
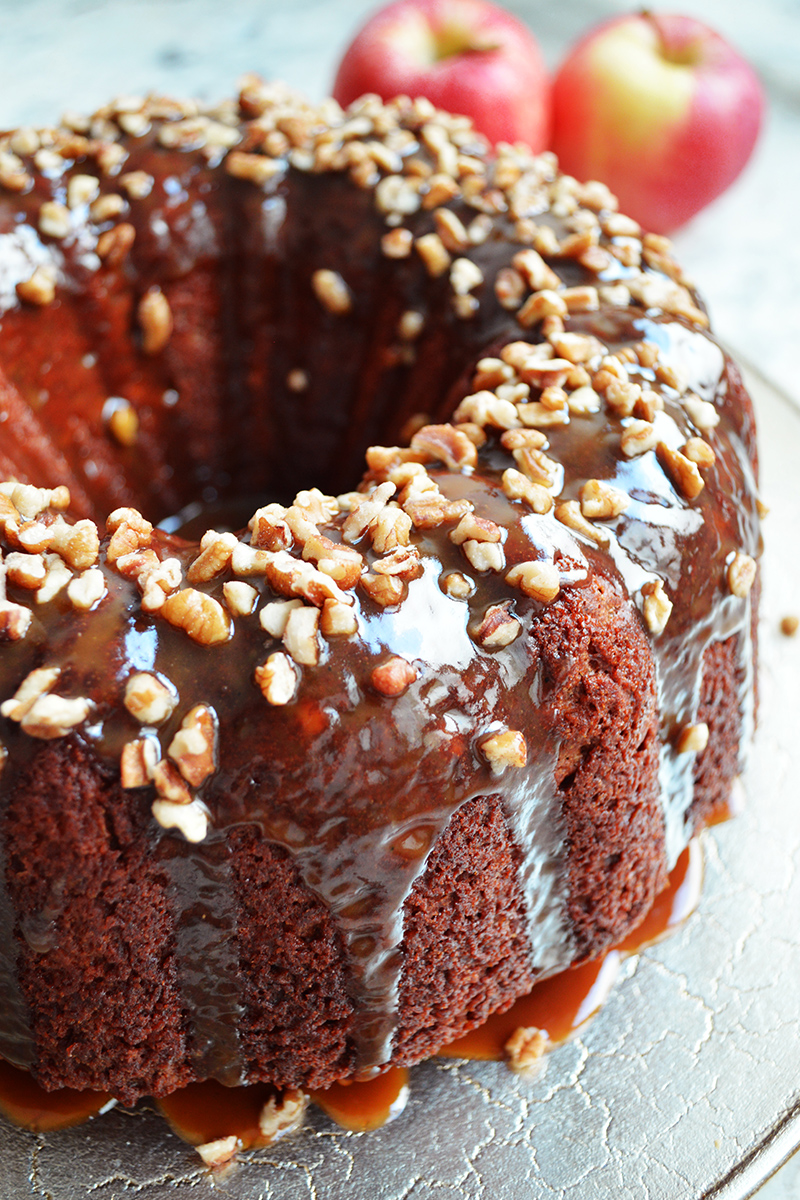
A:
{"points": [[307, 770]]}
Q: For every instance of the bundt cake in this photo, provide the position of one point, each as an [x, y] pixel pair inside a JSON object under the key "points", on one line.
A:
{"points": [[300, 781]]}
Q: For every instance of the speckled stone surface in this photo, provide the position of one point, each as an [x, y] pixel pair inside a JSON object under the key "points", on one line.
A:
{"points": [[744, 252]]}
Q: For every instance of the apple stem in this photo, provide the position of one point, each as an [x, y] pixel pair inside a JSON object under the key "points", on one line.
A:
{"points": [[682, 55], [453, 40]]}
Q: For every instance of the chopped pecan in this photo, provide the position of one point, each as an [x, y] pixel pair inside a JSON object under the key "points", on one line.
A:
{"points": [[332, 292], [55, 716], [525, 1048], [15, 621], [149, 699], [681, 470], [447, 444], [518, 487], [200, 616], [692, 739], [385, 590], [190, 817], [138, 761], [505, 749], [656, 606], [193, 749], [277, 679], [484, 556], [216, 550], [155, 319], [537, 579], [600, 500], [741, 574], [337, 619], [240, 597], [497, 628], [300, 637], [393, 677], [366, 510], [34, 685]]}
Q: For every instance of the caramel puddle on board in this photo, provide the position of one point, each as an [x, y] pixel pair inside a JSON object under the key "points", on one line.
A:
{"points": [[205, 1112], [562, 1004]]}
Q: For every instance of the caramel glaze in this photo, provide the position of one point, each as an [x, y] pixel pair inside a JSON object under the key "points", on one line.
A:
{"points": [[354, 787], [560, 1006]]}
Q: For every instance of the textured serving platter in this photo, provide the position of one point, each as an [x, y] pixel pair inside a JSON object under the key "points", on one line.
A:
{"points": [[686, 1085]]}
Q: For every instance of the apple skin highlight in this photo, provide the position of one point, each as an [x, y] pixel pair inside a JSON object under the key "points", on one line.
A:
{"points": [[660, 108], [466, 56]]}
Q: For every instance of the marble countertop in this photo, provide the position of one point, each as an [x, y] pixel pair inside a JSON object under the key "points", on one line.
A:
{"points": [[742, 251]]}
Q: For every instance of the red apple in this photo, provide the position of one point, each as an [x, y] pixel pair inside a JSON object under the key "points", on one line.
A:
{"points": [[465, 56], [662, 109]]}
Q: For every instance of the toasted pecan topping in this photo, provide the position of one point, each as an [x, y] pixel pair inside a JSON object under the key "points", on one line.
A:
{"points": [[169, 783], [149, 699], [300, 637], [681, 470], [40, 289], [337, 619], [539, 305], [497, 627], [274, 616], [54, 219], [366, 510], [392, 677], [525, 1048], [190, 817], [78, 544], [390, 529], [279, 1116], [537, 579], [52, 716], [505, 749], [692, 739], [155, 319], [34, 685], [656, 606], [385, 590], [200, 616], [601, 501], [26, 570], [637, 438], [699, 452], [569, 514], [193, 749], [277, 678], [456, 585], [483, 555], [518, 487], [332, 292], [15, 621], [57, 577], [741, 574], [485, 408], [433, 253], [86, 589], [240, 597], [129, 532], [138, 761], [447, 444], [216, 550], [509, 287], [703, 414]]}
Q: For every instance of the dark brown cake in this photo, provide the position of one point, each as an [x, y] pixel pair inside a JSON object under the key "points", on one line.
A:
{"points": [[308, 799]]}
